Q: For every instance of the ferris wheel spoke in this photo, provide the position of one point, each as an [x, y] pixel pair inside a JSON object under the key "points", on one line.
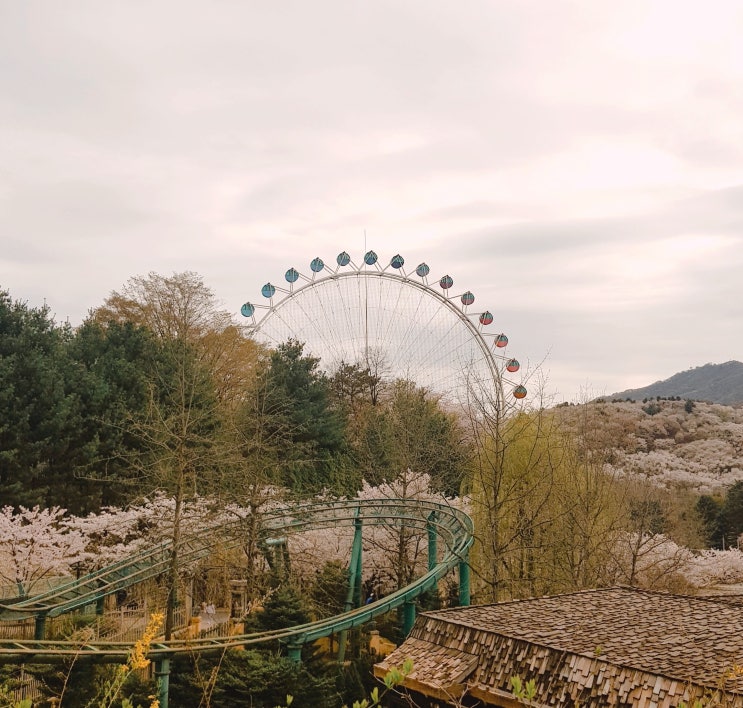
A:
{"points": [[345, 307], [413, 335], [319, 331]]}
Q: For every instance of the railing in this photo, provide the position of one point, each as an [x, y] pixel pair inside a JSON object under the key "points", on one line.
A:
{"points": [[216, 631]]}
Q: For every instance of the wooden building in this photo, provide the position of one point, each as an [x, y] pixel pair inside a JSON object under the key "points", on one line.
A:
{"points": [[610, 647]]}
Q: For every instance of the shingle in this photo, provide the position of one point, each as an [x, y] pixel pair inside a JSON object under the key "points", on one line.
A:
{"points": [[616, 646]]}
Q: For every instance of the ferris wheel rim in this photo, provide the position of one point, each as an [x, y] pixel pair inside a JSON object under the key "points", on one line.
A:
{"points": [[397, 275]]}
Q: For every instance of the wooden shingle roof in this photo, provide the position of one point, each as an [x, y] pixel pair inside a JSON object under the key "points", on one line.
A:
{"points": [[616, 646]]}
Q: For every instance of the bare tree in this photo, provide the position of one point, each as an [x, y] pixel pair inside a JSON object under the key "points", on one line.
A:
{"points": [[192, 385], [516, 457], [549, 511]]}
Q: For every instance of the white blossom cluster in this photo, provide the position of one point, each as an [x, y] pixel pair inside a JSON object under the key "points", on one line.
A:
{"points": [[35, 546], [39, 545], [650, 559], [700, 449], [390, 555]]}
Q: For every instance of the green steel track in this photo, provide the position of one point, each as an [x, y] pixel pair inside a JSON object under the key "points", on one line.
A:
{"points": [[449, 527]]}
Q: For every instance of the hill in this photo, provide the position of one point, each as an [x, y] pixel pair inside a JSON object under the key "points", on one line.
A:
{"points": [[715, 383], [696, 446]]}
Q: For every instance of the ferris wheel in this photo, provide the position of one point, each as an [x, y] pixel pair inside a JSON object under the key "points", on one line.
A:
{"points": [[388, 320]]}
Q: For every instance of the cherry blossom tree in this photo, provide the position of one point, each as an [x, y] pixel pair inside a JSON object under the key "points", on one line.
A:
{"points": [[651, 560], [37, 544], [698, 447], [117, 533], [393, 554], [713, 567]]}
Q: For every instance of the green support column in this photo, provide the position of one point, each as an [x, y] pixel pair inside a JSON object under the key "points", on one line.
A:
{"points": [[162, 680], [432, 539], [40, 626], [464, 583], [100, 605], [408, 616], [294, 652], [357, 569], [354, 583]]}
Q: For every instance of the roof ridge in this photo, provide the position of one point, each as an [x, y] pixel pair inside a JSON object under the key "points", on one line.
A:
{"points": [[571, 593]]}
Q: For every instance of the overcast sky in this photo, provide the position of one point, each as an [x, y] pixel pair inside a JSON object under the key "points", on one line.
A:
{"points": [[577, 165]]}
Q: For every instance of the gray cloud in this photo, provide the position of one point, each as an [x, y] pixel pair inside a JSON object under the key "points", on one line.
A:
{"points": [[712, 212]]}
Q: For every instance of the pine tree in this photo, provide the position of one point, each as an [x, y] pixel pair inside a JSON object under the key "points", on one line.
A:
{"points": [[38, 411], [296, 397]]}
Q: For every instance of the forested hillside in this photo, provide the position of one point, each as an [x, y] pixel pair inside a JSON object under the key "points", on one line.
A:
{"points": [[676, 444], [715, 383]]}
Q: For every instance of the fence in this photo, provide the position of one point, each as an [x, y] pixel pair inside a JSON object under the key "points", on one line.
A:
{"points": [[26, 687], [20, 629], [126, 624]]}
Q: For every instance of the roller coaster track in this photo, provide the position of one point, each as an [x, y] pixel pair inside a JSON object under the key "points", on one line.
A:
{"points": [[451, 527]]}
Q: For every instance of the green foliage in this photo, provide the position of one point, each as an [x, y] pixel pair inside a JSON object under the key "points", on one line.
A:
{"points": [[86, 685], [329, 589], [392, 679], [77, 410], [7, 700], [285, 607], [10, 682], [647, 516], [709, 510], [355, 679], [180, 430], [409, 430], [732, 512], [550, 512], [518, 460], [296, 398], [395, 676], [722, 519], [523, 690], [115, 360], [354, 386], [38, 411], [80, 684], [260, 679], [75, 683]]}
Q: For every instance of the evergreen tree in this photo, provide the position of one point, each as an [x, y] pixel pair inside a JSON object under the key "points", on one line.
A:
{"points": [[257, 678], [115, 361], [732, 514], [329, 589], [39, 413], [409, 431], [286, 607], [354, 386], [181, 425], [296, 397], [710, 512]]}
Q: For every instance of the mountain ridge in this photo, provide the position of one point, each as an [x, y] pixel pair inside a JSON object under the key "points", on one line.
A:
{"points": [[715, 383]]}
